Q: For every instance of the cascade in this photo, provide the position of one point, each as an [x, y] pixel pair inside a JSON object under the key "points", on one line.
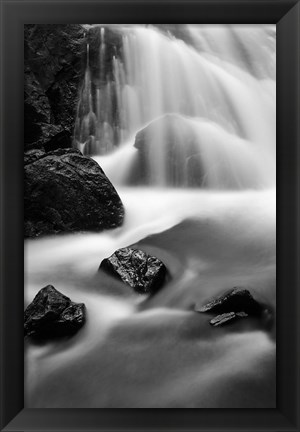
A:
{"points": [[203, 108], [182, 120]]}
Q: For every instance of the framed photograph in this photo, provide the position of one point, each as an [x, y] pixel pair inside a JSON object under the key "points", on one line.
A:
{"points": [[150, 215]]}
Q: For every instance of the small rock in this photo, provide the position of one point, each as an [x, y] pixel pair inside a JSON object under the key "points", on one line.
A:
{"points": [[144, 273], [52, 314], [226, 317], [236, 300]]}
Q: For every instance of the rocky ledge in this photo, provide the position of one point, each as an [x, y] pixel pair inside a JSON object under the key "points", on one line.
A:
{"points": [[235, 304], [51, 314], [144, 273], [236, 300], [66, 191]]}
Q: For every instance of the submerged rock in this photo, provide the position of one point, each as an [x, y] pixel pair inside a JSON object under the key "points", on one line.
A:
{"points": [[66, 191], [165, 147], [144, 273], [236, 300], [52, 314], [225, 318]]}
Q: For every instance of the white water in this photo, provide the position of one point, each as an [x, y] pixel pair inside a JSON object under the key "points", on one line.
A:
{"points": [[228, 111], [219, 86]]}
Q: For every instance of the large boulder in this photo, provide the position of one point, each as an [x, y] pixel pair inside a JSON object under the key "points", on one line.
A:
{"points": [[144, 273], [54, 68], [66, 191], [164, 149], [52, 314]]}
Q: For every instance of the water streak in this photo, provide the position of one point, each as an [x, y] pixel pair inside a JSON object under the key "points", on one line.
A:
{"points": [[217, 101]]}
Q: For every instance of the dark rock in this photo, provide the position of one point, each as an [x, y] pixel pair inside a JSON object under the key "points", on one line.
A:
{"points": [[227, 317], [144, 273], [52, 314], [59, 141], [66, 191], [37, 110], [33, 155], [54, 69], [235, 300], [72, 318]]}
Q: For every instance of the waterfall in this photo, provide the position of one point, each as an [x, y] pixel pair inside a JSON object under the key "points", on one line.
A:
{"points": [[182, 120], [203, 108]]}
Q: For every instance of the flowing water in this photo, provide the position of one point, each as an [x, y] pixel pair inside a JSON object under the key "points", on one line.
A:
{"points": [[198, 186]]}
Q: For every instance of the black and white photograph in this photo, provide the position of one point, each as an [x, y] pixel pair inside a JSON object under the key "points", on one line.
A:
{"points": [[150, 215]]}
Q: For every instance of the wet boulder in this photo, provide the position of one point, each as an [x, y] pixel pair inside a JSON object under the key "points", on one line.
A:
{"points": [[236, 300], [66, 191], [144, 273], [51, 314]]}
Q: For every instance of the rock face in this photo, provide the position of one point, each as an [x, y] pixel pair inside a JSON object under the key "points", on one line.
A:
{"points": [[66, 191], [54, 68], [165, 148], [235, 300], [52, 314], [144, 273]]}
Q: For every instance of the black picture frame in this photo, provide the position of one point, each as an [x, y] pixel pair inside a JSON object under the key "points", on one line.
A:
{"points": [[286, 15]]}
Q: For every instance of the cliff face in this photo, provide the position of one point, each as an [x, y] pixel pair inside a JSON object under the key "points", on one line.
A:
{"points": [[54, 68]]}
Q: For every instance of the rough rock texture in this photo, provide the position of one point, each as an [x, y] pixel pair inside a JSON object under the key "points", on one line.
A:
{"points": [[66, 191], [169, 141], [235, 300], [144, 273], [52, 314], [226, 318], [54, 69]]}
